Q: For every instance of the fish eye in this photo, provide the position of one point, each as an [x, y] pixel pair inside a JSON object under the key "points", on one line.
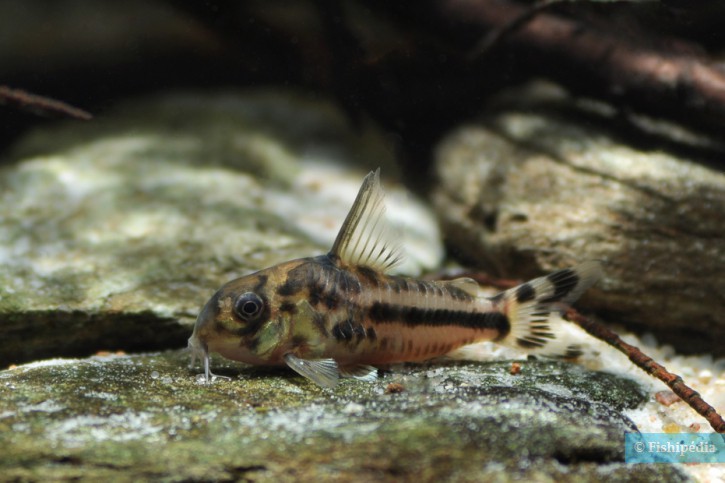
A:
{"points": [[248, 306]]}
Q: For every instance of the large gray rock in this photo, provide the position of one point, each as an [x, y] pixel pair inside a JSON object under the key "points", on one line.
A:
{"points": [[148, 418], [113, 234], [529, 190]]}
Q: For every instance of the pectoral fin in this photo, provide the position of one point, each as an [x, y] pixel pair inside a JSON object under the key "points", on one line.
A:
{"points": [[269, 337], [323, 372]]}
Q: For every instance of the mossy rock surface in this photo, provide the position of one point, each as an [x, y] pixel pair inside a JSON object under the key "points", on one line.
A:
{"points": [[150, 418]]}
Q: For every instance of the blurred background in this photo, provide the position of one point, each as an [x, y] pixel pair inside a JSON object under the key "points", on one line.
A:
{"points": [[414, 67]]}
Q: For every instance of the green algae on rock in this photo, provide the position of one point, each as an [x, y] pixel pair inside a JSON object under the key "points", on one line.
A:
{"points": [[147, 417], [113, 234]]}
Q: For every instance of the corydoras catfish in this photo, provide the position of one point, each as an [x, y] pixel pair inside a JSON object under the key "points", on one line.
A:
{"points": [[343, 313]]}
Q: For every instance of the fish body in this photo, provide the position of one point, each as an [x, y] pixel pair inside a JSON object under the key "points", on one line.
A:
{"points": [[342, 314]]}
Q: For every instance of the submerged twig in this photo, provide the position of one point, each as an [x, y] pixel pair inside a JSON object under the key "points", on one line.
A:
{"points": [[683, 85], [45, 105], [647, 364], [490, 40]]}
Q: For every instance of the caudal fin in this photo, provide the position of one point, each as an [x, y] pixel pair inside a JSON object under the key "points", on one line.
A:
{"points": [[533, 308]]}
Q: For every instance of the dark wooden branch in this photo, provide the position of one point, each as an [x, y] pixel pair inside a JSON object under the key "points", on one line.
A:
{"points": [[590, 61], [494, 37], [45, 105], [647, 364]]}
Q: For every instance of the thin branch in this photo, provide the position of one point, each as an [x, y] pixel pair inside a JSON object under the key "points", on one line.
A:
{"points": [[45, 105], [495, 36], [647, 364], [590, 61]]}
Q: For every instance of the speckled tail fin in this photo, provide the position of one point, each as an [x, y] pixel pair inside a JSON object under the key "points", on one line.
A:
{"points": [[534, 308]]}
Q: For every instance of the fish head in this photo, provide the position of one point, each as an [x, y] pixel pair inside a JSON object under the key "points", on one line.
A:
{"points": [[242, 321]]}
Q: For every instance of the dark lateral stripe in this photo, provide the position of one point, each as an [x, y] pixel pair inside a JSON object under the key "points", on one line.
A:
{"points": [[414, 317], [564, 281]]}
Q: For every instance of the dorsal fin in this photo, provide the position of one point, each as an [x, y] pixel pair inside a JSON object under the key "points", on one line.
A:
{"points": [[364, 239], [468, 285]]}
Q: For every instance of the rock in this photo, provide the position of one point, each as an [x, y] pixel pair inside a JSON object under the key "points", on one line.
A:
{"points": [[533, 189], [146, 417], [113, 234]]}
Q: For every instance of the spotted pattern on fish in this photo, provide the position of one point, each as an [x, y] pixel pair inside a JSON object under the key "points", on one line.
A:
{"points": [[564, 281], [345, 311]]}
